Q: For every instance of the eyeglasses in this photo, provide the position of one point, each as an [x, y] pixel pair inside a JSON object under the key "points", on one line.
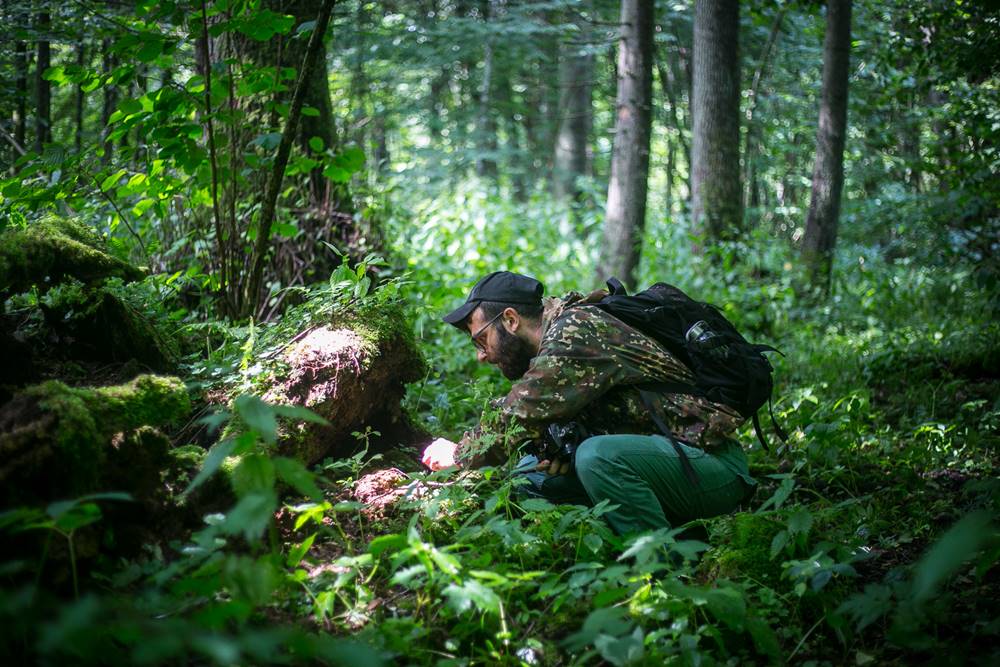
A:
{"points": [[480, 345]]}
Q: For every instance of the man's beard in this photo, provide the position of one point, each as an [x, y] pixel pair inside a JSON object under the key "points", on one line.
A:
{"points": [[514, 354]]}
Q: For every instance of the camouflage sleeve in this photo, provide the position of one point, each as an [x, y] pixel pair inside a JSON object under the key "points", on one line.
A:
{"points": [[583, 355], [576, 363]]}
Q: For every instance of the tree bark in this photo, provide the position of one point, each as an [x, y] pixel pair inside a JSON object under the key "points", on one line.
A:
{"points": [[43, 87], [81, 56], [110, 99], [828, 172], [576, 73], [751, 198], [21, 87], [626, 207], [716, 195], [486, 130]]}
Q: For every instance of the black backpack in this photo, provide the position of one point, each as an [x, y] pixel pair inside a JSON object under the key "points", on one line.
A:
{"points": [[726, 368]]}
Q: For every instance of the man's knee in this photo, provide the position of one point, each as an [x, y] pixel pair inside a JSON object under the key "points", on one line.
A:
{"points": [[592, 454]]}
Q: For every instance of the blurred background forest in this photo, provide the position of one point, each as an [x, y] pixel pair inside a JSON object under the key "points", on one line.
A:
{"points": [[190, 187]]}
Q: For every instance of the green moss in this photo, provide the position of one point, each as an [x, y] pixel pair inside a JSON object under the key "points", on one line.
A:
{"points": [[54, 248], [76, 438], [84, 419], [745, 549], [148, 399]]}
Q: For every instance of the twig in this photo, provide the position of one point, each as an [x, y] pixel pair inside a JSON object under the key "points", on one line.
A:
{"points": [[13, 142], [121, 216], [804, 638]]}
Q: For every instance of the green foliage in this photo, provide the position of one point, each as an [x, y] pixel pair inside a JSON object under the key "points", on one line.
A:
{"points": [[872, 538]]}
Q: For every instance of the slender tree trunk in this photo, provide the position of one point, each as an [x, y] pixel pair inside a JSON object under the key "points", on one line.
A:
{"points": [[486, 131], [576, 73], [668, 85], [43, 87], [110, 99], [750, 145], [626, 207], [828, 173], [716, 195], [81, 56], [21, 88]]}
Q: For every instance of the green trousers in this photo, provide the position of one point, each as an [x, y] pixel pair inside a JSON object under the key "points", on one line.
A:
{"points": [[642, 474]]}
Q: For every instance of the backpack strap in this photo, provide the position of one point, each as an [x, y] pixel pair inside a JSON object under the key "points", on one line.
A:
{"points": [[685, 461], [759, 433], [774, 422], [616, 288]]}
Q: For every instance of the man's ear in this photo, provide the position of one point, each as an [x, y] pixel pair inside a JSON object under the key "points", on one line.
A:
{"points": [[511, 319]]}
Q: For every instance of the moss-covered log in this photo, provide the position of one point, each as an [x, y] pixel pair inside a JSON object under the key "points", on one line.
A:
{"points": [[352, 371], [54, 248], [61, 441]]}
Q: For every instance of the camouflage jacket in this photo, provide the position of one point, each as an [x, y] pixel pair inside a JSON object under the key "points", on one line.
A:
{"points": [[587, 366]]}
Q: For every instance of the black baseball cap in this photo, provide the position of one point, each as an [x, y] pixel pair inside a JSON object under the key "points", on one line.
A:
{"points": [[502, 286]]}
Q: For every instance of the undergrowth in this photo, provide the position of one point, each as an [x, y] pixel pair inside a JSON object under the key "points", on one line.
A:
{"points": [[872, 538]]}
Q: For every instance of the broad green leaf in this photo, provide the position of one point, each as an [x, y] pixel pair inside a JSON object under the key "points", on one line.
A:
{"points": [[251, 515], [471, 592], [296, 475], [800, 522], [387, 543], [781, 495], [779, 542], [286, 230], [151, 48], [310, 111], [55, 74], [77, 516], [316, 143], [953, 549], [299, 413], [112, 180], [298, 552], [216, 455], [259, 416], [536, 505], [253, 474], [336, 174]]}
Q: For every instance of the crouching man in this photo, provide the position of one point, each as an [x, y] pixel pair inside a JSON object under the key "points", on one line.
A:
{"points": [[575, 364]]}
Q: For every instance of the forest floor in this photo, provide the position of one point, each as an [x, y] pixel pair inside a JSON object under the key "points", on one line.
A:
{"points": [[872, 538]]}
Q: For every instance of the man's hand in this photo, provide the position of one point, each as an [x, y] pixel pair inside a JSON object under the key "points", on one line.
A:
{"points": [[440, 454], [554, 467]]}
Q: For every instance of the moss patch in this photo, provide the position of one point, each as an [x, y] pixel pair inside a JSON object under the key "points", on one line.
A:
{"points": [[54, 248], [744, 549], [66, 435]]}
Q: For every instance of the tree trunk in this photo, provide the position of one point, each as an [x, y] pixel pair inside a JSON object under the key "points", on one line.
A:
{"points": [[486, 131], [626, 207], [81, 57], [21, 87], [110, 99], [43, 87], [750, 146], [576, 73], [828, 172], [716, 195]]}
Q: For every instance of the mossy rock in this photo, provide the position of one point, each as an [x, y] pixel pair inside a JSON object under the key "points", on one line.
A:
{"points": [[58, 441], [52, 249]]}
